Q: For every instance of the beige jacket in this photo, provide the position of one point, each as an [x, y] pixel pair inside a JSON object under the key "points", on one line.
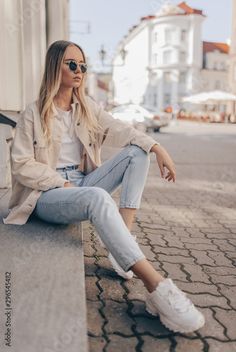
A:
{"points": [[33, 162]]}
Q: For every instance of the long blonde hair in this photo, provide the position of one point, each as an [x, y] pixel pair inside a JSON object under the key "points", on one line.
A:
{"points": [[50, 86]]}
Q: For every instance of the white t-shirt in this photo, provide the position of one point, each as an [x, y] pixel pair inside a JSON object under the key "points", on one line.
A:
{"points": [[70, 146]]}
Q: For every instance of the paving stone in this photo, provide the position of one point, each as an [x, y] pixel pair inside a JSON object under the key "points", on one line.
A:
{"points": [[217, 346], [148, 252], [116, 342], [95, 320], [96, 344], [89, 251], [92, 291], [188, 345], [118, 318], [230, 293], [212, 328], [220, 259], [228, 319], [201, 246], [207, 300], [218, 270], [112, 289], [136, 289], [202, 257], [197, 287], [174, 271], [178, 259], [224, 245], [90, 267], [227, 280], [155, 344], [196, 273], [150, 325]]}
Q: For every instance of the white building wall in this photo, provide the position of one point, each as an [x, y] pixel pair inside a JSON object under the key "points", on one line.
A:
{"points": [[27, 27], [131, 79]]}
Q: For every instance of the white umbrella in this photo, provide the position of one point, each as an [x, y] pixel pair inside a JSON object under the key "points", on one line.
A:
{"points": [[209, 97]]}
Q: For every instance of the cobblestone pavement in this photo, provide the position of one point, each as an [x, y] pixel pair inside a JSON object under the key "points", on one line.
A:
{"points": [[188, 231]]}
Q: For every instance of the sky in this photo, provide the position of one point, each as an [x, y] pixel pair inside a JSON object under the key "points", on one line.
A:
{"points": [[97, 22]]}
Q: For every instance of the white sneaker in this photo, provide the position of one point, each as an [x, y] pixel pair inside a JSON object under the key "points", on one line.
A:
{"points": [[176, 311], [128, 275]]}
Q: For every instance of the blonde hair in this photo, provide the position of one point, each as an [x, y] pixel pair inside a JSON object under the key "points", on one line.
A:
{"points": [[50, 86]]}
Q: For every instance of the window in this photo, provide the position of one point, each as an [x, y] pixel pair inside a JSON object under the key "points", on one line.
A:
{"points": [[155, 37], [217, 84], [182, 77], [154, 99], [155, 59], [167, 77], [182, 57], [215, 66], [168, 36], [167, 99], [183, 35], [167, 57]]}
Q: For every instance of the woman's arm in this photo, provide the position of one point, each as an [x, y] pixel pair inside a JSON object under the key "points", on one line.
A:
{"points": [[25, 168], [119, 133]]}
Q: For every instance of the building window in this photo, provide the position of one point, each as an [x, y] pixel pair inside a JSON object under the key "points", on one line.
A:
{"points": [[215, 66], [155, 37], [182, 57], [167, 57], [217, 84], [154, 99], [166, 99], [168, 36], [155, 59], [167, 77], [182, 77], [183, 35]]}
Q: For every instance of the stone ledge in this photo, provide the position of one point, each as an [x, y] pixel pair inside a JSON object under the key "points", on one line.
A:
{"points": [[46, 266]]}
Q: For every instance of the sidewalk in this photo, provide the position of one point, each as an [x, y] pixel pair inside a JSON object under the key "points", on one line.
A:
{"points": [[188, 231]]}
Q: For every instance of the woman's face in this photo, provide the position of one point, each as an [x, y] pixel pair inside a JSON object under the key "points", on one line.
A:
{"points": [[72, 79]]}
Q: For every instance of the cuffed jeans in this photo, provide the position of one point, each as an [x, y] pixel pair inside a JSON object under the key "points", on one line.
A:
{"points": [[90, 199]]}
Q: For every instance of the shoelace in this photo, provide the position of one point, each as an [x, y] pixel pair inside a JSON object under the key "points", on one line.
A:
{"points": [[178, 300]]}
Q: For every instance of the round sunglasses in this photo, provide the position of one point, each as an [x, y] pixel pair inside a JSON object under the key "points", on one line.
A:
{"points": [[73, 65]]}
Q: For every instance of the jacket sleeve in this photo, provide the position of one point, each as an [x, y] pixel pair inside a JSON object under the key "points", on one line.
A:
{"points": [[118, 133], [24, 167]]}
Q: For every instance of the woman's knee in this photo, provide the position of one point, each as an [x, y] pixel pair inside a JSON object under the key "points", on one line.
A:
{"points": [[138, 153]]}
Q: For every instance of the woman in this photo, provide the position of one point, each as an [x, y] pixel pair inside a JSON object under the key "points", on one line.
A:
{"points": [[58, 176]]}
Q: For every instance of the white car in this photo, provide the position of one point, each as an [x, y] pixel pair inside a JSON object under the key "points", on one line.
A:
{"points": [[158, 120], [133, 114]]}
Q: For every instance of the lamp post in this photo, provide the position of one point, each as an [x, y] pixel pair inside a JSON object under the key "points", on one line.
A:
{"points": [[103, 55]]}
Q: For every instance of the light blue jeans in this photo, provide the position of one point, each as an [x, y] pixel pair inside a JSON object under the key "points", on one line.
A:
{"points": [[90, 199]]}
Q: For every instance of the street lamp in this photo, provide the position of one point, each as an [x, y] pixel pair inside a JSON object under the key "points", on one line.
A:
{"points": [[103, 55]]}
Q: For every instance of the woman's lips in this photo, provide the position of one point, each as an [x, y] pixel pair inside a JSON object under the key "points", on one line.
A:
{"points": [[77, 78]]}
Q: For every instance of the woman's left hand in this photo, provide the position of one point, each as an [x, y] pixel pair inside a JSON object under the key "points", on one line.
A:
{"points": [[164, 162]]}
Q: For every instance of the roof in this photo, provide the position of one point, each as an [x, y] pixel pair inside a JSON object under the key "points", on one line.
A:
{"points": [[212, 46], [189, 10]]}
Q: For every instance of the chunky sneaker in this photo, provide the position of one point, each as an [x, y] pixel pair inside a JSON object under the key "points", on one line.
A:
{"points": [[128, 275], [176, 311]]}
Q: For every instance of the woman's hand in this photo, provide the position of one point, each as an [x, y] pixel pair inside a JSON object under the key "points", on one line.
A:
{"points": [[164, 162], [68, 184]]}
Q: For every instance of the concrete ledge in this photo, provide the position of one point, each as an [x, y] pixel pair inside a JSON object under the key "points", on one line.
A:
{"points": [[47, 286]]}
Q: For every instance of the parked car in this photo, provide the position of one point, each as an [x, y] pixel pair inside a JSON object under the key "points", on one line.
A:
{"points": [[158, 120], [133, 114]]}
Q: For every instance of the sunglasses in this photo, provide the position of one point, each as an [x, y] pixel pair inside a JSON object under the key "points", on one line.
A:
{"points": [[73, 66]]}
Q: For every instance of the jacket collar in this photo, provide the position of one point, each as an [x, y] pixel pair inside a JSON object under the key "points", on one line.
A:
{"points": [[73, 105]]}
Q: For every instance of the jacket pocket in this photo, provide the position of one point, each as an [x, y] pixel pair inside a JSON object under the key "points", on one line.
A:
{"points": [[40, 151]]}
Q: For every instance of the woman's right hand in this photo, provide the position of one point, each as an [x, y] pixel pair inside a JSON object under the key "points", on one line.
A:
{"points": [[68, 184]]}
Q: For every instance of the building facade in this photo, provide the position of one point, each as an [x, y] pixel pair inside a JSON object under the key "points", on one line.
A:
{"points": [[28, 27], [167, 59]]}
